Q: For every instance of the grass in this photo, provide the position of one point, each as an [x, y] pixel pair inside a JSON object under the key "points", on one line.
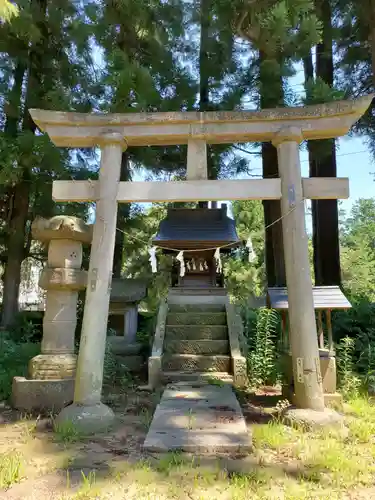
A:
{"points": [[287, 463], [273, 435], [67, 432], [10, 469], [87, 491]]}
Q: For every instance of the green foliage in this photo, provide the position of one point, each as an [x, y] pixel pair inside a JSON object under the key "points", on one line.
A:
{"points": [[349, 382], [318, 92], [262, 366], [245, 279], [14, 360], [115, 372], [66, 432], [359, 324], [7, 10], [10, 469]]}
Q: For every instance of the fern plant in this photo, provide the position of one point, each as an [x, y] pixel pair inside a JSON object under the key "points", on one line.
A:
{"points": [[262, 356], [349, 382]]}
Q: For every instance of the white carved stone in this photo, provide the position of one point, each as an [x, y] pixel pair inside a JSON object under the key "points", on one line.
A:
{"points": [[62, 279], [65, 253]]}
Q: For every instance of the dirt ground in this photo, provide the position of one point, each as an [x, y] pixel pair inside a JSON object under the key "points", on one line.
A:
{"points": [[36, 463]]}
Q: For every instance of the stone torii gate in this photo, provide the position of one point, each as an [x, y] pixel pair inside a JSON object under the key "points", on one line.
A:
{"points": [[285, 127]]}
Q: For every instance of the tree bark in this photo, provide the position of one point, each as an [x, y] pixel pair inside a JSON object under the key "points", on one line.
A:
{"points": [[20, 197], [271, 95], [204, 89], [16, 242], [322, 160]]}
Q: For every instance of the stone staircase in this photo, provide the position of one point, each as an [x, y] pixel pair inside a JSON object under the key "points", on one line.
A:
{"points": [[196, 343]]}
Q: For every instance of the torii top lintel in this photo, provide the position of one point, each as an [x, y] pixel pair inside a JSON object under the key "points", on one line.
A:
{"points": [[322, 121]]}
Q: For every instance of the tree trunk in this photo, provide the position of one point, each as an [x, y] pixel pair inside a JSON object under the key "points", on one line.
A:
{"points": [[371, 27], [15, 250], [123, 210], [17, 198], [271, 95], [20, 198], [322, 159], [204, 91]]}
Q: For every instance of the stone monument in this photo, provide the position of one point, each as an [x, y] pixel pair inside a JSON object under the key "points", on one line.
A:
{"points": [[51, 374], [123, 319]]}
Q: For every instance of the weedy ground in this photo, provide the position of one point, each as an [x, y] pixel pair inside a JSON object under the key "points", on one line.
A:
{"points": [[287, 463]]}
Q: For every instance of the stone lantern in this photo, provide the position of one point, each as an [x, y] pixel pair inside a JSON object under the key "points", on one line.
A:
{"points": [[50, 384]]}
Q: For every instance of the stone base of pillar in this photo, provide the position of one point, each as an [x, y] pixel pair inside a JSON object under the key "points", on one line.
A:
{"points": [[53, 366], [310, 420], [87, 419], [327, 369], [41, 395], [331, 400]]}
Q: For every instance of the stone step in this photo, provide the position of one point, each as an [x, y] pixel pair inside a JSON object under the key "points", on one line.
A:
{"points": [[196, 363], [196, 332], [197, 346], [197, 318], [197, 377], [198, 419], [196, 308]]}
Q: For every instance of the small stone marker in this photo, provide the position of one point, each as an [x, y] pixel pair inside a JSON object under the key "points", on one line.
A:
{"points": [[198, 418]]}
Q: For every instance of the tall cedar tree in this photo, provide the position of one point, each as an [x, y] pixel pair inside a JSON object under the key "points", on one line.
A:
{"points": [[354, 22], [221, 75], [280, 32], [43, 51], [142, 72], [322, 156]]}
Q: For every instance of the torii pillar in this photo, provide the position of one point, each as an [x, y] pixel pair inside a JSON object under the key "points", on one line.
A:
{"points": [[87, 410], [308, 386]]}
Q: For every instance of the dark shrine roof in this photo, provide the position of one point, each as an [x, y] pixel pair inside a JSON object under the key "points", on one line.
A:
{"points": [[196, 228]]}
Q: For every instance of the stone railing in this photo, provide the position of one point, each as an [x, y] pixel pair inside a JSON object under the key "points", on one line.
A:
{"points": [[155, 360], [236, 345]]}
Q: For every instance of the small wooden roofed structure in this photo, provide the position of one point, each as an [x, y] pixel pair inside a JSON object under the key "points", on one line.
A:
{"points": [[197, 229], [326, 298], [197, 232]]}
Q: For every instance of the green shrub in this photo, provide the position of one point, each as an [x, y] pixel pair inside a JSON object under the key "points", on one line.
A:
{"points": [[349, 382], [14, 360], [115, 372], [262, 363], [359, 324]]}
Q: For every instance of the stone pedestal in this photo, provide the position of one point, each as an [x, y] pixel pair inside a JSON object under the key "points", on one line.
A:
{"points": [[51, 374], [328, 371]]}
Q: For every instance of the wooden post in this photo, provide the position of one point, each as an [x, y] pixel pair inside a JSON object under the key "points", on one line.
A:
{"points": [[87, 410], [329, 330], [320, 330], [302, 333]]}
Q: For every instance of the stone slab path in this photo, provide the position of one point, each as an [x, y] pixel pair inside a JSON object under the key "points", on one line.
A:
{"points": [[198, 418]]}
